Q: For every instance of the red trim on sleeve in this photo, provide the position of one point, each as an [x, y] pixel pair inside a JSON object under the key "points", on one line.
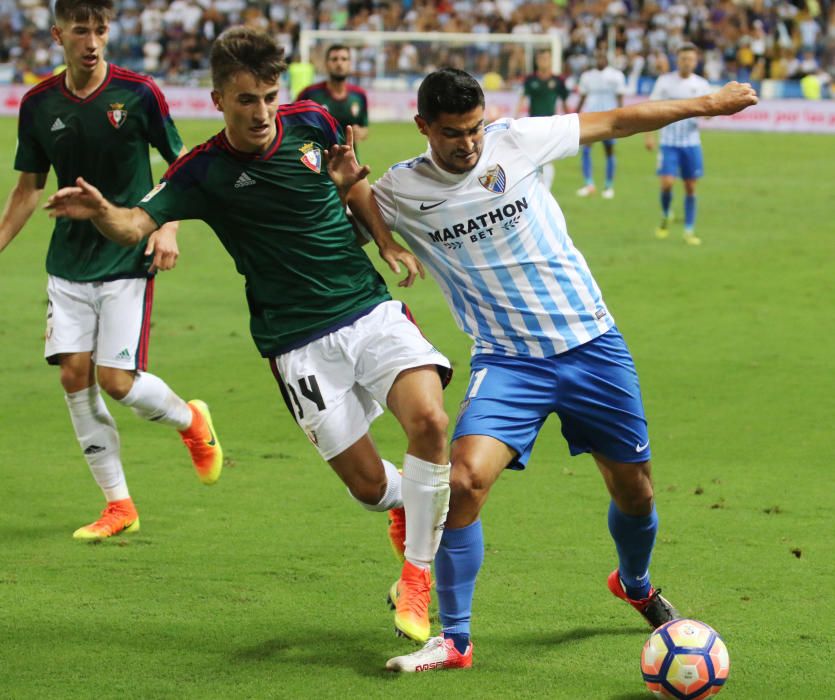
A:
{"points": [[309, 106], [42, 86], [131, 77], [180, 162]]}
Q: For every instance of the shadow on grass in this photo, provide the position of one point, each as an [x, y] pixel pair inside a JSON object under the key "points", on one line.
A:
{"points": [[577, 634], [327, 648]]}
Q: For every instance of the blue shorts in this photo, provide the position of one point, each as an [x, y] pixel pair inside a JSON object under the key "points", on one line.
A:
{"points": [[593, 389], [681, 161]]}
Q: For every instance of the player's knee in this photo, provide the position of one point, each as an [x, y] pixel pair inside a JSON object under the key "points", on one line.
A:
{"points": [[368, 492], [116, 383], [429, 427], [74, 379], [465, 482], [635, 496]]}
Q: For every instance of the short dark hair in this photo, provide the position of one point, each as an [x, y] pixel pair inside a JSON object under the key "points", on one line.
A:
{"points": [[336, 47], [244, 49], [83, 10], [448, 91], [687, 46]]}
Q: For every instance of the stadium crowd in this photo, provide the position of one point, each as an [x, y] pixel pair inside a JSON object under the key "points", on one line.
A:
{"points": [[739, 39]]}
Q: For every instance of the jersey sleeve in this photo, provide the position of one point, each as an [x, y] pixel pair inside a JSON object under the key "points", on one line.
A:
{"points": [[162, 133], [30, 156], [547, 138], [384, 196], [526, 87], [583, 85], [659, 90], [177, 197], [621, 85], [362, 119]]}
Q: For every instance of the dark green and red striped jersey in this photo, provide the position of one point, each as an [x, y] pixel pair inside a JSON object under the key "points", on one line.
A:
{"points": [[349, 110], [103, 138], [279, 216]]}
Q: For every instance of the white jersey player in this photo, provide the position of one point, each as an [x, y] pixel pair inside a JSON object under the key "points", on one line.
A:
{"points": [[680, 154], [476, 214], [601, 88]]}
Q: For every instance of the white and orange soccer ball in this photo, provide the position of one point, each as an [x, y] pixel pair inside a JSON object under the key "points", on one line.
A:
{"points": [[685, 659]]}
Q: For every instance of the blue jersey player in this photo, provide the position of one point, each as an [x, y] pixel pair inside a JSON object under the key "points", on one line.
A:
{"points": [[680, 153], [477, 215]]}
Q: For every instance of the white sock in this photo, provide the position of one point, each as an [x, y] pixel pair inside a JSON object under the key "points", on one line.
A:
{"points": [[548, 175], [426, 499], [99, 440], [391, 498], [152, 399]]}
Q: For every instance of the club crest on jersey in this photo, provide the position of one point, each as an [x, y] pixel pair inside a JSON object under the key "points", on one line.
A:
{"points": [[311, 157], [117, 114], [494, 179]]}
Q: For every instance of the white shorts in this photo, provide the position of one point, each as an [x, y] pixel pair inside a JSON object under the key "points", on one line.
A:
{"points": [[336, 386], [110, 319]]}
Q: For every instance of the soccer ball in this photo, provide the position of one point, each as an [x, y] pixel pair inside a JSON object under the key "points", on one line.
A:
{"points": [[685, 659]]}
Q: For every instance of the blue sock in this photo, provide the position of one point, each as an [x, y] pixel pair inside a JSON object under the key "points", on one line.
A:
{"points": [[457, 564], [634, 537], [610, 170], [587, 165], [689, 212], [666, 201]]}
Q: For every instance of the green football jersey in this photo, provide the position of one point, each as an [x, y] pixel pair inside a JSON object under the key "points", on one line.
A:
{"points": [[543, 94], [279, 216], [103, 138], [350, 110]]}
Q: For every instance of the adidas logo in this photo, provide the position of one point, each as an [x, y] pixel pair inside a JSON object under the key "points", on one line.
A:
{"points": [[124, 355], [57, 125], [244, 181], [93, 449]]}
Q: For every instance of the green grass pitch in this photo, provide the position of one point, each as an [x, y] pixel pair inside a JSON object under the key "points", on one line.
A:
{"points": [[273, 582]]}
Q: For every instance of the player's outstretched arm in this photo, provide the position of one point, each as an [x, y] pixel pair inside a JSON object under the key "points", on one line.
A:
{"points": [[20, 205], [652, 115], [85, 202]]}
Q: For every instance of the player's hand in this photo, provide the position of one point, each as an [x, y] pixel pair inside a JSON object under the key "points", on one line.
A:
{"points": [[343, 167], [733, 97], [649, 143], [80, 202], [162, 244], [394, 254]]}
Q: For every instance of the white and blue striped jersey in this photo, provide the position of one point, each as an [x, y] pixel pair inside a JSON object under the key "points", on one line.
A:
{"points": [[497, 243], [671, 86], [601, 88]]}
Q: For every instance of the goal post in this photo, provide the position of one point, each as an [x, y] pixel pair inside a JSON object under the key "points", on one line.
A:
{"points": [[397, 59]]}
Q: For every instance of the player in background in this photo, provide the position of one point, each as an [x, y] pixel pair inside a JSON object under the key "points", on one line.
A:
{"points": [[543, 95], [477, 215], [680, 153], [601, 88], [346, 102], [96, 120], [338, 345]]}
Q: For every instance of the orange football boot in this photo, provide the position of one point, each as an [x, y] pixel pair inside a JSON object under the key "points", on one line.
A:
{"points": [[202, 443], [410, 596], [118, 516], [397, 532]]}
